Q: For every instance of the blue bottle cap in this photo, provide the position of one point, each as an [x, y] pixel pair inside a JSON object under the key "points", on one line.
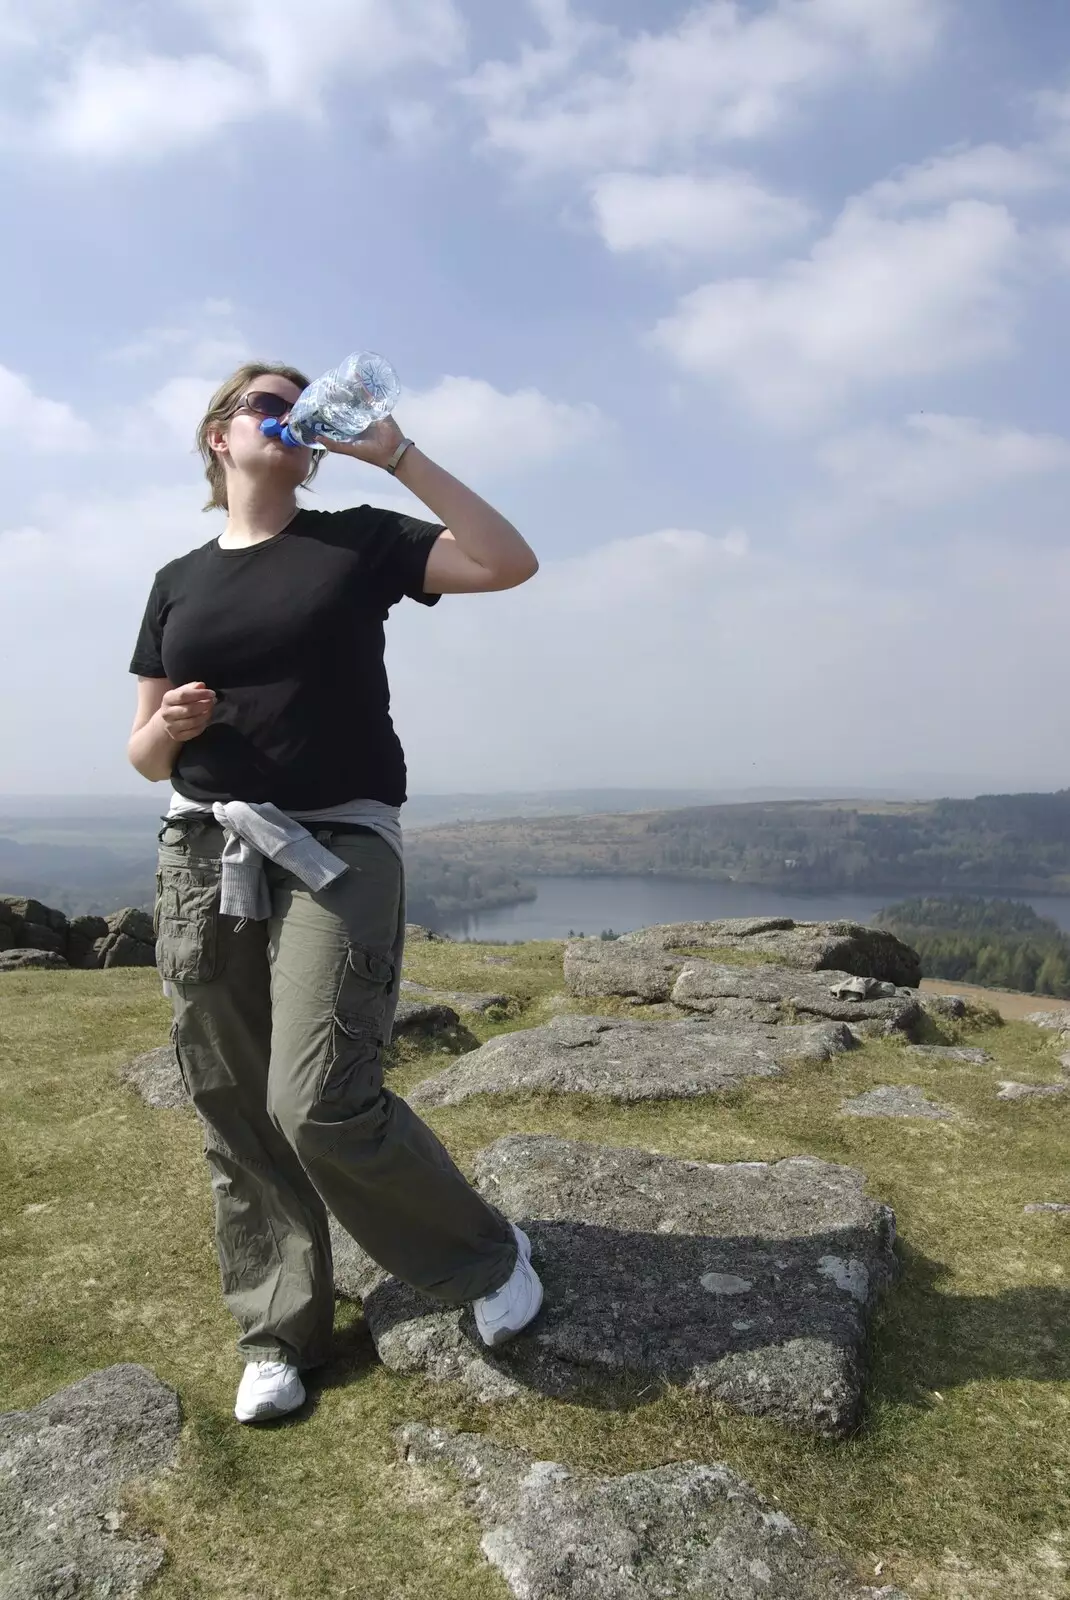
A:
{"points": [[274, 429]]}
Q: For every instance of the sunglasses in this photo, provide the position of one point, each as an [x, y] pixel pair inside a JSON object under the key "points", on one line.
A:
{"points": [[264, 404]]}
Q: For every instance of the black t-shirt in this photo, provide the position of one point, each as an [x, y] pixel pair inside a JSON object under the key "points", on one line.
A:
{"points": [[289, 633]]}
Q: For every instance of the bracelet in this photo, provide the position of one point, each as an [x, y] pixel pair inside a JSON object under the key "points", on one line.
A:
{"points": [[392, 464]]}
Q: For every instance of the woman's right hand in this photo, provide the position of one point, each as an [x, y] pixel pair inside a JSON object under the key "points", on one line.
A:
{"points": [[186, 712]]}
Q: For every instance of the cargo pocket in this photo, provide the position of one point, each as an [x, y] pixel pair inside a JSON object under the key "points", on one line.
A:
{"points": [[186, 919], [352, 1066]]}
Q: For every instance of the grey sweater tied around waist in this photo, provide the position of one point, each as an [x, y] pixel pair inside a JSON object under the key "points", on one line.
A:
{"points": [[259, 832]]}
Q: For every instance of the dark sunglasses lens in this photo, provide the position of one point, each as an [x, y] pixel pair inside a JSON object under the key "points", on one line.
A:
{"points": [[268, 405]]}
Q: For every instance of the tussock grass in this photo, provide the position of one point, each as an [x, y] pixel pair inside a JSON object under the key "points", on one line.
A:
{"points": [[958, 1482]]}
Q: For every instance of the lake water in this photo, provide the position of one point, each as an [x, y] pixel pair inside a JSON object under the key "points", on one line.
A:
{"points": [[589, 905]]}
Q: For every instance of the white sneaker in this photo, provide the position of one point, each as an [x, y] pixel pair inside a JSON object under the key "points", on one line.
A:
{"points": [[268, 1389], [502, 1314]]}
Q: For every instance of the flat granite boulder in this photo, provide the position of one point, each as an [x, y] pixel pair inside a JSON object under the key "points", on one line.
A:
{"points": [[459, 999], [686, 1530], [646, 964], [896, 1100], [772, 994], [1031, 1091], [62, 1466], [424, 1017], [751, 1282], [950, 1052], [156, 1078], [18, 960], [624, 1060], [1057, 1021]]}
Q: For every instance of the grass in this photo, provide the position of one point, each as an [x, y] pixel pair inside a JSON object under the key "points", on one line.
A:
{"points": [[957, 1483], [730, 955]]}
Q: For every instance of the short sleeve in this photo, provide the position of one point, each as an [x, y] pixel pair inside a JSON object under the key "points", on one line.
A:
{"points": [[147, 661], [405, 544]]}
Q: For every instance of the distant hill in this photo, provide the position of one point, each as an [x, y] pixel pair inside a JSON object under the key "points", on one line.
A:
{"points": [[103, 858], [995, 844]]}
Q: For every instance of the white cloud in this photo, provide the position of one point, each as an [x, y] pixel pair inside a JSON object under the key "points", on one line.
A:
{"points": [[987, 171], [295, 55], [205, 343], [179, 405], [878, 299], [124, 100], [191, 356], [120, 104], [475, 429], [935, 458], [111, 542], [28, 421], [681, 654], [726, 72], [681, 215]]}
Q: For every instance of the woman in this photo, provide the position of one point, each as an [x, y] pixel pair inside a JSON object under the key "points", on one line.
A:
{"points": [[262, 696]]}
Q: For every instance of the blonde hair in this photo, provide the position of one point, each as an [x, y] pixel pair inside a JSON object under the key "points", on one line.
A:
{"points": [[221, 408]]}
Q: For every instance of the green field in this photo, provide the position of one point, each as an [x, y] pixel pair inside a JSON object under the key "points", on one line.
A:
{"points": [[956, 1486]]}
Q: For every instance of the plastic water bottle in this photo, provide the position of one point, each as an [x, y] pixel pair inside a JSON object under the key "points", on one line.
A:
{"points": [[342, 404]]}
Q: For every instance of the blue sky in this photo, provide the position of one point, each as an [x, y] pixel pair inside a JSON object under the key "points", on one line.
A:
{"points": [[751, 315]]}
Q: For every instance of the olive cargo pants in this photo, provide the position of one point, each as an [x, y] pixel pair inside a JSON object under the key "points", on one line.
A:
{"points": [[278, 1032]]}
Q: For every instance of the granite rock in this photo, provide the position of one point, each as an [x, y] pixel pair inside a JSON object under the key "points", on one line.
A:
{"points": [[950, 1052], [896, 1100], [1056, 1021], [17, 960], [683, 1530], [460, 999], [646, 964], [630, 1061], [774, 994], [752, 1282], [156, 1077], [1031, 1091], [62, 1467]]}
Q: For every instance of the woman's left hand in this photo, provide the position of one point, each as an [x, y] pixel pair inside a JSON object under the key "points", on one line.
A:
{"points": [[376, 444]]}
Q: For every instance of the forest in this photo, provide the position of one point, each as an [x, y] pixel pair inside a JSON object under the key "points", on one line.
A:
{"points": [[1001, 944]]}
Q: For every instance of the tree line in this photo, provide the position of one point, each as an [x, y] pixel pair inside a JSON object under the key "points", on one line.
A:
{"points": [[1001, 944]]}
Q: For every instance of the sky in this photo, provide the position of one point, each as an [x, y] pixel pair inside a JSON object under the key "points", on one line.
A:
{"points": [[751, 315]]}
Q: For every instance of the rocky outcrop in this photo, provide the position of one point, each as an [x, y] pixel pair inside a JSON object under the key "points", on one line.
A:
{"points": [[752, 1282], [896, 1100], [129, 942], [646, 963], [62, 1467], [123, 939], [775, 994], [686, 1528], [646, 966], [629, 1061]]}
